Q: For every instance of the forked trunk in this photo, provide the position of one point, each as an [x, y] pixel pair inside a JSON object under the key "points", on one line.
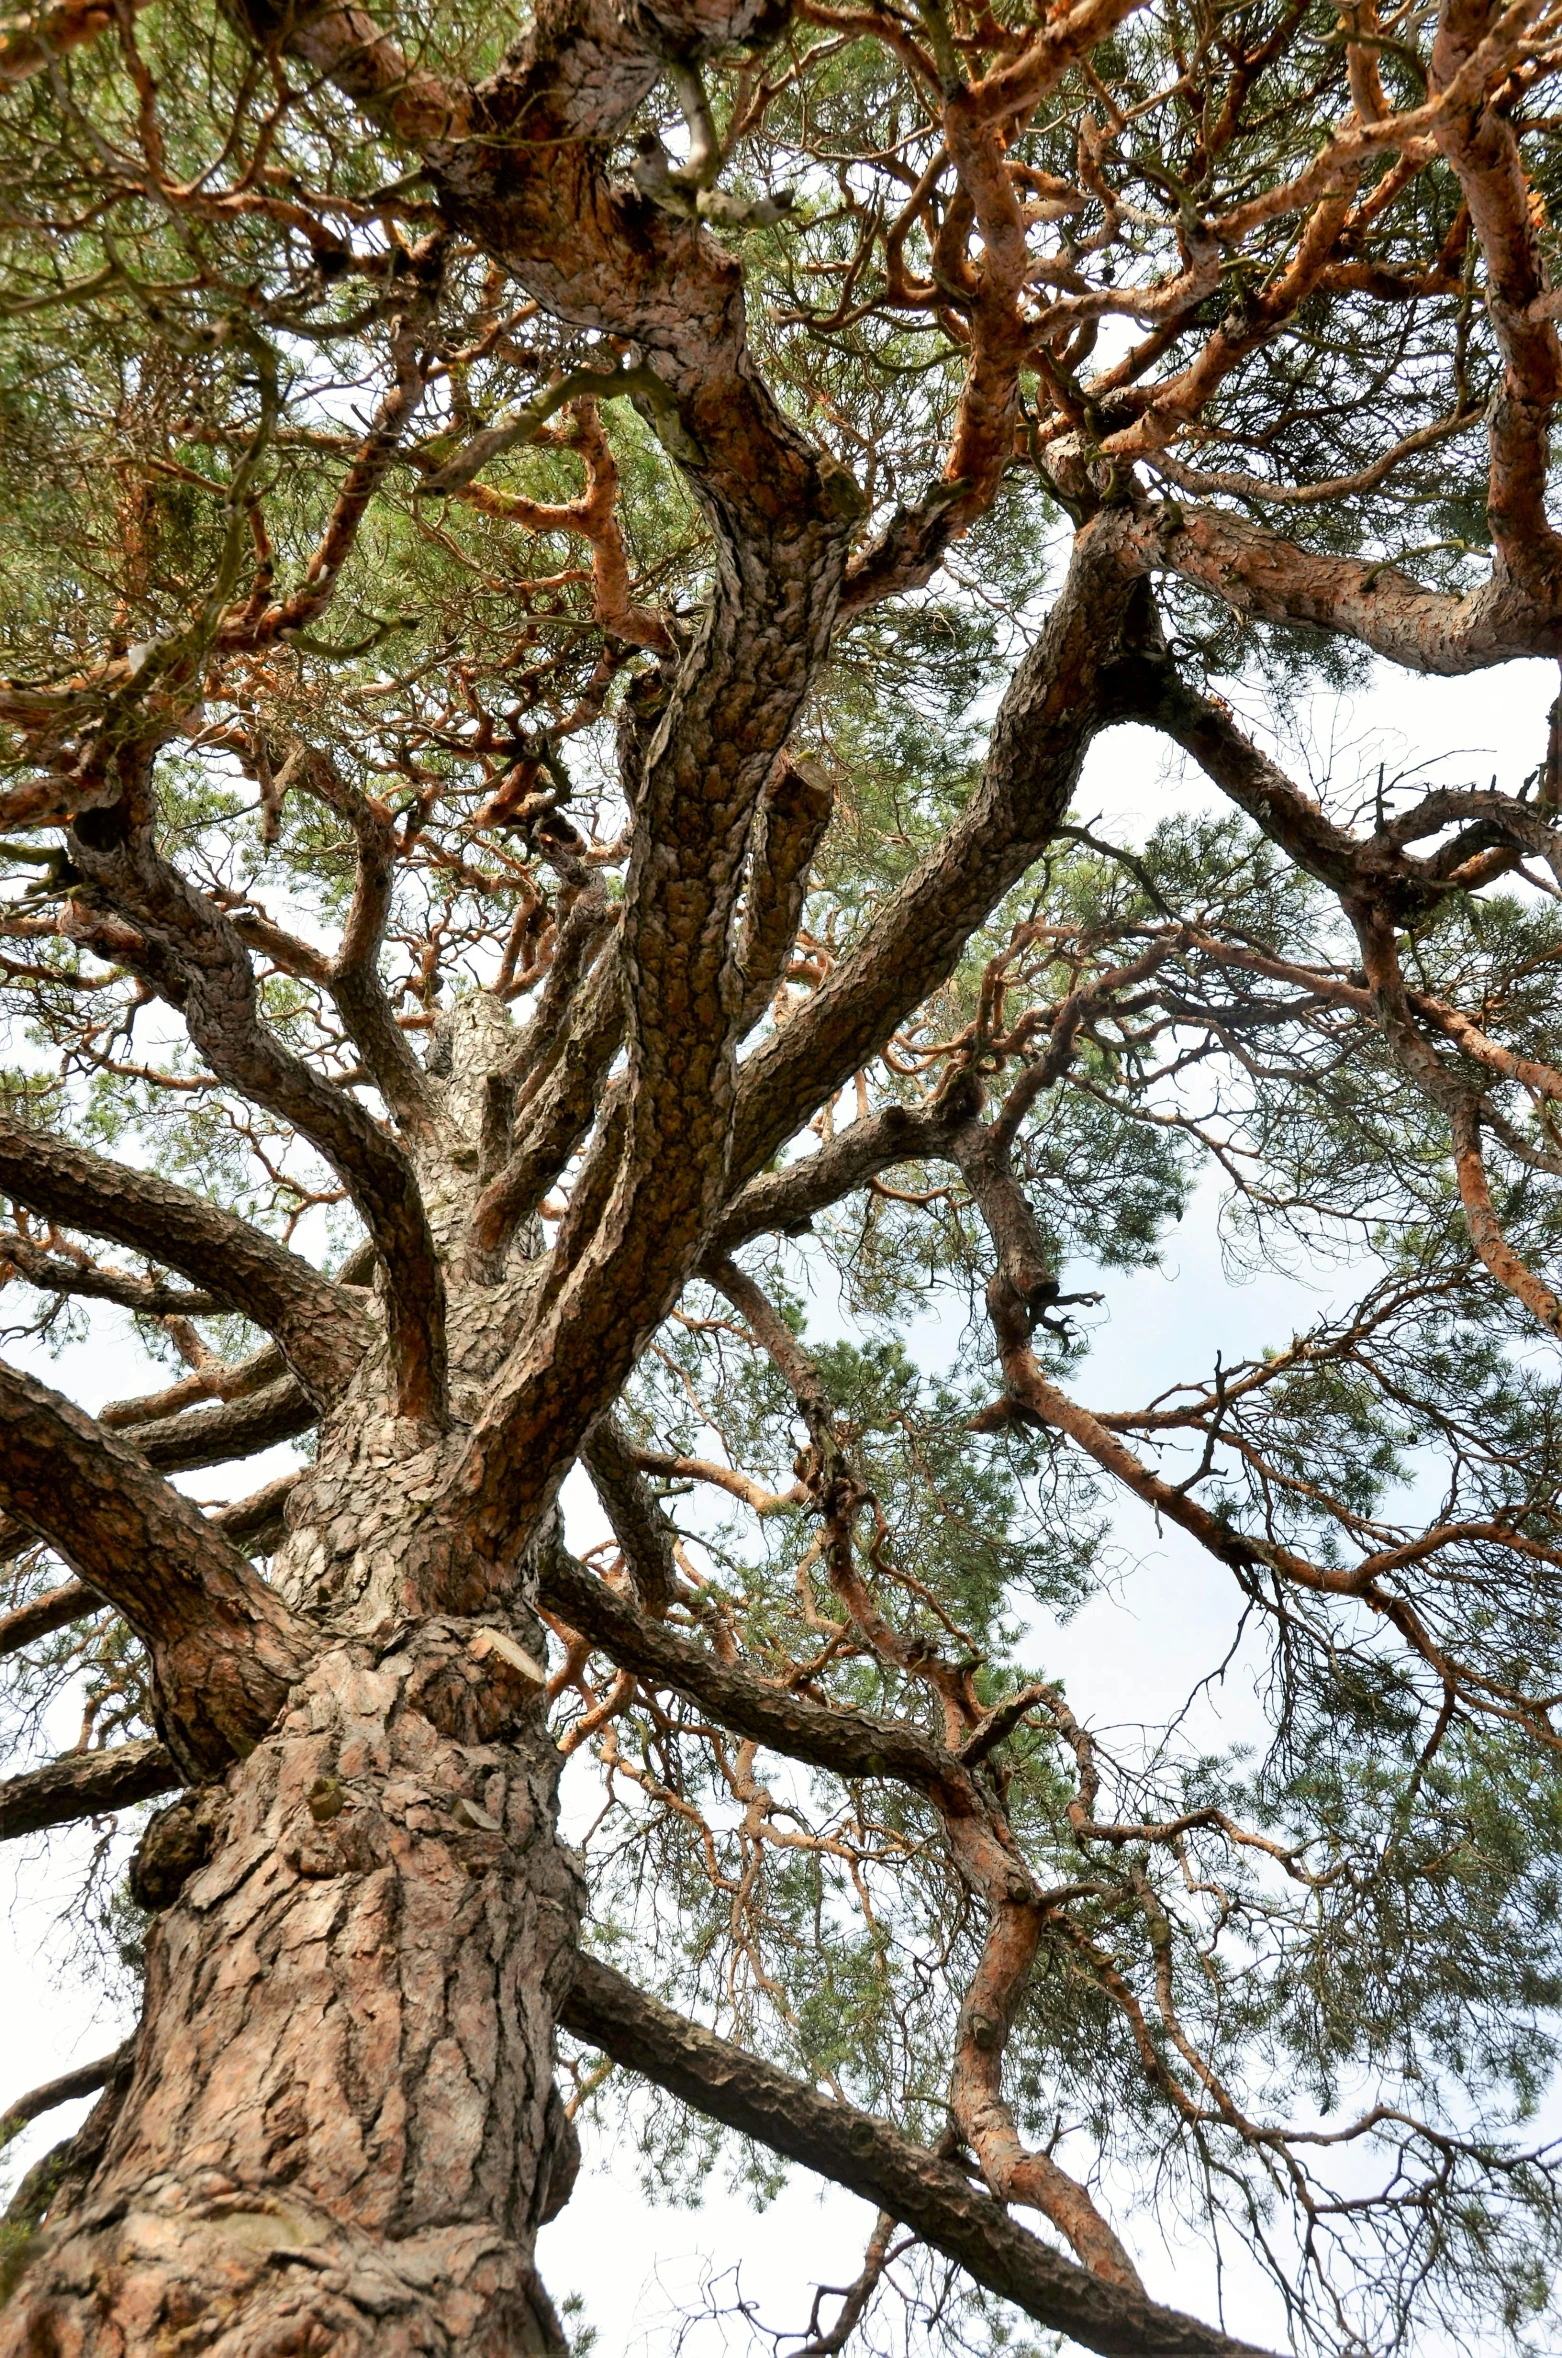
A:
{"points": [[341, 2131]]}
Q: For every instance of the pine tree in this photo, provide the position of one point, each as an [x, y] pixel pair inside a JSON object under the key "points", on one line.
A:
{"points": [[559, 577]]}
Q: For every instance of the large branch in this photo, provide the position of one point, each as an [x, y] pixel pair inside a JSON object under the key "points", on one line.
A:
{"points": [[214, 1435], [684, 1099], [782, 1202], [730, 715], [1256, 572], [791, 826], [195, 959], [639, 1524], [886, 2168], [252, 1523], [86, 1785], [225, 1430], [84, 2079], [562, 1096], [319, 1327], [1480, 143], [1061, 694], [225, 1649], [53, 1273], [41, 1616], [850, 1744]]}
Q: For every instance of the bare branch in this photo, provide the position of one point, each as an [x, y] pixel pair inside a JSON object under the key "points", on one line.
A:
{"points": [[86, 1785]]}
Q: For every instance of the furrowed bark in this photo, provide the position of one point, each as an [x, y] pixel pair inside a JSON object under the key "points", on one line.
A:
{"points": [[225, 1649], [250, 1523], [341, 2131], [86, 1785], [884, 2167], [732, 711], [321, 1330], [256, 1522], [214, 1379]]}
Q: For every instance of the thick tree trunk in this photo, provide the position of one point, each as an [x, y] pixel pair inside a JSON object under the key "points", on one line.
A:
{"points": [[341, 2133]]}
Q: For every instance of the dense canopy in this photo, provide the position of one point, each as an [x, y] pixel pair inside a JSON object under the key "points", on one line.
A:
{"points": [[558, 572]]}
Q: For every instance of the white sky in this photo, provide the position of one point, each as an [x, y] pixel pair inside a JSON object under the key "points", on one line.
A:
{"points": [[1128, 1657]]}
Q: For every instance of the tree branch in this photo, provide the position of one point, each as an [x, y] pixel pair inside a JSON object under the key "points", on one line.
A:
{"points": [[225, 1649], [793, 818], [639, 1525], [1373, 602], [41, 1616], [86, 1785], [851, 1744], [322, 1331], [1062, 693], [226, 1430], [194, 958], [880, 2164], [84, 2080], [782, 1202]]}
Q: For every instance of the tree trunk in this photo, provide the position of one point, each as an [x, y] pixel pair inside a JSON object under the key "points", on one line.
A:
{"points": [[341, 2132]]}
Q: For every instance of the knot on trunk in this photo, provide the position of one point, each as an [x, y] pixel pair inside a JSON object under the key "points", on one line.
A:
{"points": [[179, 1840]]}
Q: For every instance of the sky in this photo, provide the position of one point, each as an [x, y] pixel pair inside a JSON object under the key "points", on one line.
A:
{"points": [[1129, 1657]]}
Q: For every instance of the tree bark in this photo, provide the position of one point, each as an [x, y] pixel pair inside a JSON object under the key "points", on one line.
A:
{"points": [[341, 2132]]}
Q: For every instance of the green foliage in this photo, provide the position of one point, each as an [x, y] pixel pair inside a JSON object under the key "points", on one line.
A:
{"points": [[1382, 1929]]}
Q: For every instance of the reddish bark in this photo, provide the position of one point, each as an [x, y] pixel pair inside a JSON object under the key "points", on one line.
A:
{"points": [[341, 2132]]}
